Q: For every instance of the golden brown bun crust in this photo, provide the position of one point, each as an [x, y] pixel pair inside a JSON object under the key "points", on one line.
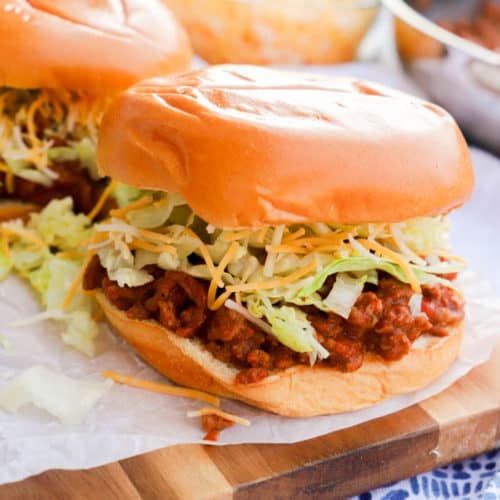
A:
{"points": [[296, 392], [94, 46], [249, 146], [16, 209]]}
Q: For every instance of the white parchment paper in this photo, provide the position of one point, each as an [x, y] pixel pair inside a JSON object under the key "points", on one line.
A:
{"points": [[129, 421]]}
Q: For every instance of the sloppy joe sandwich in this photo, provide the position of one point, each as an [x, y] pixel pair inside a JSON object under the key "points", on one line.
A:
{"points": [[60, 63], [288, 247]]}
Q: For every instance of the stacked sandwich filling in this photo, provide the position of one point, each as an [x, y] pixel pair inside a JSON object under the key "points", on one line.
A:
{"points": [[48, 249], [47, 147], [270, 298]]}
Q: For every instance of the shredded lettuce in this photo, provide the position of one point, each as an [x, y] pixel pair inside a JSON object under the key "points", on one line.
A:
{"points": [[154, 215], [28, 151], [143, 258], [83, 150], [5, 266], [358, 264], [185, 245], [63, 153], [126, 276], [60, 275], [149, 217], [68, 399], [168, 261], [291, 327], [313, 300], [125, 194], [25, 259], [37, 254], [319, 250], [424, 234], [415, 304], [81, 331], [86, 150], [52, 280], [35, 176], [371, 276], [16, 166], [58, 225], [120, 267], [344, 293]]}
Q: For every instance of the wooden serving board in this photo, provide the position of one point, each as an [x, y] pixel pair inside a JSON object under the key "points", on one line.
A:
{"points": [[462, 421]]}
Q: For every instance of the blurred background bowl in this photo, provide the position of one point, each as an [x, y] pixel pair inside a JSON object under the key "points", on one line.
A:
{"points": [[275, 31], [462, 82]]}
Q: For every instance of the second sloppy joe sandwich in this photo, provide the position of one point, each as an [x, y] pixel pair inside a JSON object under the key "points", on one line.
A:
{"points": [[289, 247], [61, 63]]}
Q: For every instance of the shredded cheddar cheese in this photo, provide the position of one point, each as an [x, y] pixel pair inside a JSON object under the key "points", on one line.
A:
{"points": [[79, 277], [5, 246], [285, 249], [217, 276], [9, 177], [136, 243], [71, 254], [203, 250], [162, 388], [237, 235], [274, 283], [220, 413], [268, 269], [136, 205], [318, 241], [153, 236], [221, 299], [22, 233], [77, 282], [271, 257], [330, 248], [102, 200], [31, 119], [293, 236], [261, 234], [393, 257], [270, 272]]}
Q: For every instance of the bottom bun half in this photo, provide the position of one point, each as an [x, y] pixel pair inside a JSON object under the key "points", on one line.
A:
{"points": [[299, 391], [16, 209]]}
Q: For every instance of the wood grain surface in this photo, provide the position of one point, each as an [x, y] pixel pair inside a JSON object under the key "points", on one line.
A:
{"points": [[462, 421]]}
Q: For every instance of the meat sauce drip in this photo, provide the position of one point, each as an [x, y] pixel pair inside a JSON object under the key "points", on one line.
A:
{"points": [[380, 322], [72, 180], [212, 425]]}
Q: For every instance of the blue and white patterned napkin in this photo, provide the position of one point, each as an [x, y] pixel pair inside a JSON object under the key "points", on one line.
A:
{"points": [[476, 478]]}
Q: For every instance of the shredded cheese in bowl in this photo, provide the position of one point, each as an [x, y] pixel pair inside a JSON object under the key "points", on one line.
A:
{"points": [[275, 32]]}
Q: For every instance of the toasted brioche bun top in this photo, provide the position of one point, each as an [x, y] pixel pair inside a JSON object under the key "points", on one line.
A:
{"points": [[98, 46], [249, 146]]}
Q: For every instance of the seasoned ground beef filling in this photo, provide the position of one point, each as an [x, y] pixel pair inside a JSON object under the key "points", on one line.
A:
{"points": [[72, 180], [380, 322]]}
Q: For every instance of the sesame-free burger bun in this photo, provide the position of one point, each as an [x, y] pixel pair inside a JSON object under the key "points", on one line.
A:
{"points": [[97, 46], [248, 146], [300, 391]]}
